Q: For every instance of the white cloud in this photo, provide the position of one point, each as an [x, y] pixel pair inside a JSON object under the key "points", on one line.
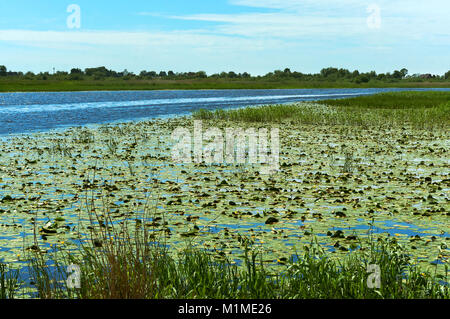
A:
{"points": [[281, 25], [296, 26], [406, 6], [175, 41]]}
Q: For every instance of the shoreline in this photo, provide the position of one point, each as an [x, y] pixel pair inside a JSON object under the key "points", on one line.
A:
{"points": [[262, 89], [415, 85]]}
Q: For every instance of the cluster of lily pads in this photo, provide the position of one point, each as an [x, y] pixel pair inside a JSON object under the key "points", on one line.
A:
{"points": [[338, 184]]}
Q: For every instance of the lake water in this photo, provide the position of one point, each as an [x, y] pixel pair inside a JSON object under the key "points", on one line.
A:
{"points": [[31, 112]]}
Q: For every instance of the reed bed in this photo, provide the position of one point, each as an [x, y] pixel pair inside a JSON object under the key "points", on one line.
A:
{"points": [[417, 110]]}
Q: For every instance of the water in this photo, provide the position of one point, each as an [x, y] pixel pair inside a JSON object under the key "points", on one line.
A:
{"points": [[32, 112]]}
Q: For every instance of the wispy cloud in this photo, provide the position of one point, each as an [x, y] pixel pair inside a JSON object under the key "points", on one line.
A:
{"points": [[190, 39], [280, 25], [299, 18], [298, 5]]}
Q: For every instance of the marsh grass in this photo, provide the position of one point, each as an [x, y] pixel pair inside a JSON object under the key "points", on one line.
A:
{"points": [[143, 268], [9, 279], [418, 110], [116, 265], [61, 148], [393, 100], [112, 145], [318, 276], [349, 161], [84, 136], [47, 275]]}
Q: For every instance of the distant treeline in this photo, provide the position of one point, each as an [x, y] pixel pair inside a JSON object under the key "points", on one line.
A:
{"points": [[328, 74]]}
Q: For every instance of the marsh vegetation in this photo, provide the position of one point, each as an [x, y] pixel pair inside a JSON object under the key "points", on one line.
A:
{"points": [[361, 181], [414, 109]]}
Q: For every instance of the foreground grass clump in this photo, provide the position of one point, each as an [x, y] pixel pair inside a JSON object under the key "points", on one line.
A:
{"points": [[137, 269], [416, 109], [8, 282]]}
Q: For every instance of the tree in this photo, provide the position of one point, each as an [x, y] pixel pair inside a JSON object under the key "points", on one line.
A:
{"points": [[404, 72], [76, 71], [201, 75], [29, 75], [447, 75], [329, 72], [3, 70], [99, 72], [43, 76], [343, 73], [397, 75], [372, 75], [362, 79]]}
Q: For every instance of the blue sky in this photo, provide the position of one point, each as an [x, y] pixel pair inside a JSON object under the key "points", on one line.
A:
{"points": [[257, 36]]}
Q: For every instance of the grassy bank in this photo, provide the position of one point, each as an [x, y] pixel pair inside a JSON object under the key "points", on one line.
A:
{"points": [[23, 85], [418, 109]]}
